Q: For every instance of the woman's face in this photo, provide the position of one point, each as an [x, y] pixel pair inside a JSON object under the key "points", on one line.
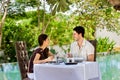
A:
{"points": [[47, 42]]}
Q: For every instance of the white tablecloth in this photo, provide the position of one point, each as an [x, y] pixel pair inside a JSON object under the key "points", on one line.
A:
{"points": [[81, 71]]}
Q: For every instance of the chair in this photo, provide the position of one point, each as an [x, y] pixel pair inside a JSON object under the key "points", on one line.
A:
{"points": [[22, 58], [94, 43]]}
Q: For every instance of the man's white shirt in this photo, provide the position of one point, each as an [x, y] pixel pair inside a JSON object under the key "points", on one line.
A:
{"points": [[81, 52]]}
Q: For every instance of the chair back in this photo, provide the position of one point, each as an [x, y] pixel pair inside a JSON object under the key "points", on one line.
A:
{"points": [[94, 43], [22, 58]]}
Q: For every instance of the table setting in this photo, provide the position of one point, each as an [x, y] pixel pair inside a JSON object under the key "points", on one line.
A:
{"points": [[67, 61], [63, 68]]}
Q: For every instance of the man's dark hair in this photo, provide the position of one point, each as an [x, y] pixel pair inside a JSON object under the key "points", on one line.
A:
{"points": [[42, 38], [80, 29]]}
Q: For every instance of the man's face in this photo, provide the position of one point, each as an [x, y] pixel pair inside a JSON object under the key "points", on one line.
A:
{"points": [[76, 36]]}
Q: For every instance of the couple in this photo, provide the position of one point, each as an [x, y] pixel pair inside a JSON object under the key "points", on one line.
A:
{"points": [[80, 47]]}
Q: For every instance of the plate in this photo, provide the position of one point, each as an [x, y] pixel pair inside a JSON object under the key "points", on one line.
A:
{"points": [[78, 59], [71, 63]]}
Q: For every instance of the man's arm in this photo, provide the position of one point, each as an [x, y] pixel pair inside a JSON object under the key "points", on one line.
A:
{"points": [[90, 57]]}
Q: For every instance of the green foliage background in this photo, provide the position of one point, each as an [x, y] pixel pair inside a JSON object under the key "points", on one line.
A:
{"points": [[23, 26], [104, 44]]}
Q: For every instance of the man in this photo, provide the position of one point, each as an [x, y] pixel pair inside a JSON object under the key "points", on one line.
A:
{"points": [[80, 47]]}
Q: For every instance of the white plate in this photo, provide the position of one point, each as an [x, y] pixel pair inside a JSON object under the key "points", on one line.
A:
{"points": [[78, 59]]}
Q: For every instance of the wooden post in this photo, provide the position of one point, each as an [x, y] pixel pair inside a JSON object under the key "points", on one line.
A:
{"points": [[22, 58]]}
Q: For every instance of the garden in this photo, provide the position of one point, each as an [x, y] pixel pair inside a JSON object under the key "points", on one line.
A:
{"points": [[24, 20]]}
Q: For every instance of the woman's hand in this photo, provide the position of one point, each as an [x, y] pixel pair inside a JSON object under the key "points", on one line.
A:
{"points": [[48, 59]]}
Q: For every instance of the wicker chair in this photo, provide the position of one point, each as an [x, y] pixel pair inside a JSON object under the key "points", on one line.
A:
{"points": [[22, 58], [94, 43]]}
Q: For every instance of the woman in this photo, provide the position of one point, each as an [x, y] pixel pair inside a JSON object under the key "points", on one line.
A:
{"points": [[41, 54]]}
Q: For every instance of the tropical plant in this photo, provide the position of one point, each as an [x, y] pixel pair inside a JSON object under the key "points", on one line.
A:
{"points": [[104, 44]]}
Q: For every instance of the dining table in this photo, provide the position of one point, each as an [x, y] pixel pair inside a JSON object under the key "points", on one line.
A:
{"points": [[62, 71]]}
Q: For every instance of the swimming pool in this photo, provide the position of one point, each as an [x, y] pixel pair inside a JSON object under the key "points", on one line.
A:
{"points": [[109, 67], [9, 71]]}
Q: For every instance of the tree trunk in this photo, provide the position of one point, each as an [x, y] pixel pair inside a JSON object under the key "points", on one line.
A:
{"points": [[0, 34], [38, 13], [1, 25], [38, 10], [43, 23]]}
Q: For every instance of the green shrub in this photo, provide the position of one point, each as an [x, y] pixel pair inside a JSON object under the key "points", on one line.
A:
{"points": [[104, 44], [13, 32]]}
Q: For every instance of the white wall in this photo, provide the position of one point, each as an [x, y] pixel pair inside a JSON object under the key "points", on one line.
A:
{"points": [[112, 36]]}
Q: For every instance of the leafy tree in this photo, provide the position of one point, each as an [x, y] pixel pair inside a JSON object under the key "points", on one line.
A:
{"points": [[18, 7], [58, 5], [97, 14], [10, 8], [22, 25], [3, 12], [20, 31], [59, 30]]}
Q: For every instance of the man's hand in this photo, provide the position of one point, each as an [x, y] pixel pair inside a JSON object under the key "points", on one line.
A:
{"points": [[69, 55]]}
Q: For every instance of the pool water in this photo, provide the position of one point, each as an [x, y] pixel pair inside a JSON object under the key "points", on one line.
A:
{"points": [[109, 67], [9, 71]]}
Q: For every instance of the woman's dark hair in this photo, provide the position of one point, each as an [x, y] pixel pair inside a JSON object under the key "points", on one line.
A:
{"points": [[42, 38], [80, 29]]}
